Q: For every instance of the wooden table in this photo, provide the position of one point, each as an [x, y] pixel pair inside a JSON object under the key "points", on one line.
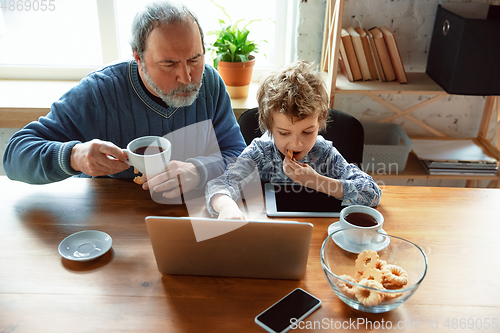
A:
{"points": [[123, 291]]}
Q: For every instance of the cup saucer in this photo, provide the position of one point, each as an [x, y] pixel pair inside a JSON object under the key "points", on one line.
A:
{"points": [[344, 244], [85, 245]]}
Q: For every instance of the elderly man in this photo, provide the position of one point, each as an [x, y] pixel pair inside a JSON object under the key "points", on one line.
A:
{"points": [[167, 87]]}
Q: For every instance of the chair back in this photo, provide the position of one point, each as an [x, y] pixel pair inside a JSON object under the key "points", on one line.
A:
{"points": [[344, 130]]}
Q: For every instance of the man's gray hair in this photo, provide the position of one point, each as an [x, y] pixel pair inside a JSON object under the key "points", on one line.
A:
{"points": [[158, 14]]}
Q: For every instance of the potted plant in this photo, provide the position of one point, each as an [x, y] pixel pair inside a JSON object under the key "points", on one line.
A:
{"points": [[233, 55]]}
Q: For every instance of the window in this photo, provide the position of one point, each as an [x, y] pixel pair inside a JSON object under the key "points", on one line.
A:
{"points": [[36, 37], [67, 39]]}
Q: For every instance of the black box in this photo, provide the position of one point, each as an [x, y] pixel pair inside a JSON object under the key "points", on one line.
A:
{"points": [[464, 56]]}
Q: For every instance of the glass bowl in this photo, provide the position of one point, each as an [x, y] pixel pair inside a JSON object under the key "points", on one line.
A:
{"points": [[338, 257]]}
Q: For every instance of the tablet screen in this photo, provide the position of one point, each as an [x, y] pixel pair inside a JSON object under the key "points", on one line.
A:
{"points": [[294, 199]]}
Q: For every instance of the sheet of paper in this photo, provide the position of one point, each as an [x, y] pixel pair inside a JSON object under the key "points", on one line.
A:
{"points": [[449, 150]]}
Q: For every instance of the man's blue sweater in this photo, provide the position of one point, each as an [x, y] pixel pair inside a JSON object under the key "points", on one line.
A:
{"points": [[110, 105]]}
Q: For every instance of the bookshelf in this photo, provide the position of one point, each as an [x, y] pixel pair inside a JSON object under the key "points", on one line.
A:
{"points": [[419, 84]]}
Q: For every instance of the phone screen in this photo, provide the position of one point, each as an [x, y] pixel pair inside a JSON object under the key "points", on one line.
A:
{"points": [[290, 309]]}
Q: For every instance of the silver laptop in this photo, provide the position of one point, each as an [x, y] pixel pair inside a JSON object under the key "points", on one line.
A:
{"points": [[211, 247]]}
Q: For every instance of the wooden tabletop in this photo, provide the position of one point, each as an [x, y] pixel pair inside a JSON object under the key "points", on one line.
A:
{"points": [[123, 291]]}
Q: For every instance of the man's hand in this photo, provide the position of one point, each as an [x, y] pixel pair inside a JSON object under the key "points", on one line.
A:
{"points": [[98, 158], [168, 181]]}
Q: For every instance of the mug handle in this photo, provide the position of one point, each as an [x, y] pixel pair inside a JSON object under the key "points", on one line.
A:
{"points": [[127, 161], [381, 237]]}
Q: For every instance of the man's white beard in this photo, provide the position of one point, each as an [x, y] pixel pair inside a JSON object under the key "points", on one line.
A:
{"points": [[171, 98]]}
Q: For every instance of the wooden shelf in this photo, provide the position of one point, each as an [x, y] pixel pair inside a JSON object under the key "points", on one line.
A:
{"points": [[418, 84]]}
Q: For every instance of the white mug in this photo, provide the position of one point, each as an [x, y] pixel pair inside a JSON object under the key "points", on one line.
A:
{"points": [[151, 161], [363, 235]]}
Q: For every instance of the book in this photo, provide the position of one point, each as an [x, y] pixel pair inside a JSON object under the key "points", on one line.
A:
{"points": [[351, 55], [461, 172], [397, 63], [376, 58], [360, 53], [344, 66], [368, 53], [461, 165], [464, 150], [463, 169], [454, 157], [383, 53], [460, 168]]}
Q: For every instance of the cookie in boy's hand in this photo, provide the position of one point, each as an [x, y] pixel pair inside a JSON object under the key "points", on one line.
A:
{"points": [[289, 153]]}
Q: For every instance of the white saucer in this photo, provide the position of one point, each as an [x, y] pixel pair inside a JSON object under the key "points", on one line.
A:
{"points": [[344, 244], [85, 245]]}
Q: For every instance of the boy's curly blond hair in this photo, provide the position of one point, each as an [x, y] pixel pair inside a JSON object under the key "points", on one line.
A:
{"points": [[298, 92]]}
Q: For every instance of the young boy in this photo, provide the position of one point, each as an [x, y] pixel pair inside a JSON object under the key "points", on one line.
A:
{"points": [[293, 107]]}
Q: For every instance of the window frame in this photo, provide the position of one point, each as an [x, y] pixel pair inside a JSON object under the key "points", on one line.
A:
{"points": [[106, 11]]}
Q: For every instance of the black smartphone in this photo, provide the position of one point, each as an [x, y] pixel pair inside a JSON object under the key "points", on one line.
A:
{"points": [[289, 310]]}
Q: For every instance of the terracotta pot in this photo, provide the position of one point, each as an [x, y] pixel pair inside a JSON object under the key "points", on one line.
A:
{"points": [[235, 74]]}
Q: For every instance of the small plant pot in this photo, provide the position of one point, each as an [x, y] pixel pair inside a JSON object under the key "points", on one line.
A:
{"points": [[237, 77]]}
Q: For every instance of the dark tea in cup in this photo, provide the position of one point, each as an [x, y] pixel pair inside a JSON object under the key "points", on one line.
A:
{"points": [[148, 150], [361, 219]]}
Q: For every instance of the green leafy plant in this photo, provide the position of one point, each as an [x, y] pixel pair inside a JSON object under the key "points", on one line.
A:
{"points": [[232, 44]]}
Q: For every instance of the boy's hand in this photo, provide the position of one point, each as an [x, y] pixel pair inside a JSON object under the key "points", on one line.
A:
{"points": [[231, 213], [227, 208], [300, 173], [304, 175]]}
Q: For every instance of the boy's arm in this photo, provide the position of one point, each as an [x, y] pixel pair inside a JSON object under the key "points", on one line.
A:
{"points": [[306, 176], [340, 179], [330, 186], [359, 188], [233, 181]]}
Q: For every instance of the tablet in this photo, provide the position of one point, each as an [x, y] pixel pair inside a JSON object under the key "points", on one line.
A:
{"points": [[299, 201]]}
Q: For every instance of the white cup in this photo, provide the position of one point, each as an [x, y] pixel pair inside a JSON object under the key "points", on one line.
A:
{"points": [[363, 235], [152, 162]]}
